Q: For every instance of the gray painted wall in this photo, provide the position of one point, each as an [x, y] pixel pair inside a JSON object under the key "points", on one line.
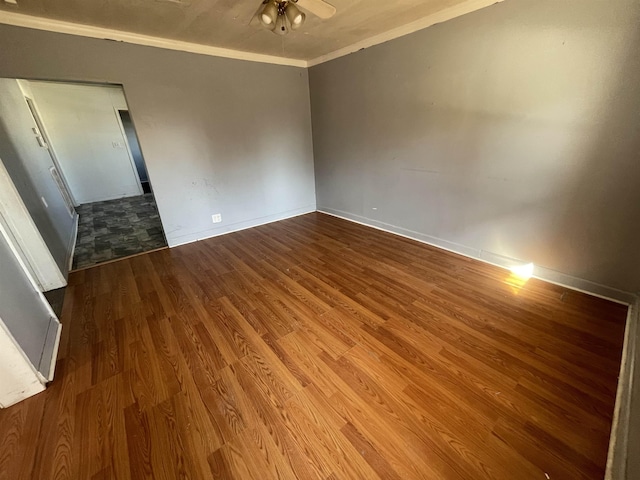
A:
{"points": [[218, 135], [28, 165], [512, 130]]}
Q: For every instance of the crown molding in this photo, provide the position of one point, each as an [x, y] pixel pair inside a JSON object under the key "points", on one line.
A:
{"points": [[59, 26], [70, 28], [438, 17]]}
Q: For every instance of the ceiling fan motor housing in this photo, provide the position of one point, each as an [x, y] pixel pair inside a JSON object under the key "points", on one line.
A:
{"points": [[280, 16]]}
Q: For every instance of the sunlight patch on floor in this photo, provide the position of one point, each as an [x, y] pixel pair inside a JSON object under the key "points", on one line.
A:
{"points": [[519, 276]]}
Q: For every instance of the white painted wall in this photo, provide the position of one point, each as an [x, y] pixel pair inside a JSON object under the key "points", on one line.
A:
{"points": [[83, 126]]}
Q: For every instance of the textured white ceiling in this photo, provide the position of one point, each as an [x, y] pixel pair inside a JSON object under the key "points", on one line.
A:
{"points": [[225, 23]]}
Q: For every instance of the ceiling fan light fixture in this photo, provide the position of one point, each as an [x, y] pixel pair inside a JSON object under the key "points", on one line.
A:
{"points": [[295, 26], [269, 14], [281, 25], [284, 16], [294, 15]]}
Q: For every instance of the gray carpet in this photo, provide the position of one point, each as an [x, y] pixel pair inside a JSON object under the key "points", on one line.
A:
{"points": [[116, 229]]}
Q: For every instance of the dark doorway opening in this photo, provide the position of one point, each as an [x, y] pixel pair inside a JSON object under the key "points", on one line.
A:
{"points": [[134, 147]]}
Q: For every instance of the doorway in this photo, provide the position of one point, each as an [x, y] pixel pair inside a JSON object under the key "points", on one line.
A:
{"points": [[96, 165], [134, 147]]}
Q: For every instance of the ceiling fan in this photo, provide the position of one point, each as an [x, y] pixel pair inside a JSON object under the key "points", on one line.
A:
{"points": [[280, 16]]}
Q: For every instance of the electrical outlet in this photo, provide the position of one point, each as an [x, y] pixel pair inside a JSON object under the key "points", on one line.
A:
{"points": [[217, 218]]}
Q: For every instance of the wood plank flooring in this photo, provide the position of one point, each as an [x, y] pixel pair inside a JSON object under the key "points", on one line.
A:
{"points": [[315, 348]]}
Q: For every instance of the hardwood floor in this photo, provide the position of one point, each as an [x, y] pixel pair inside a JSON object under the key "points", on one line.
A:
{"points": [[315, 348]]}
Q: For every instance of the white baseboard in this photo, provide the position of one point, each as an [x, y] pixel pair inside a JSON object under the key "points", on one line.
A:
{"points": [[236, 227], [546, 274], [110, 197]]}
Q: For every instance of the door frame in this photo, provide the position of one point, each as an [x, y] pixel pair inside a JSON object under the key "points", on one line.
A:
{"points": [[19, 377], [42, 131], [24, 234], [129, 153]]}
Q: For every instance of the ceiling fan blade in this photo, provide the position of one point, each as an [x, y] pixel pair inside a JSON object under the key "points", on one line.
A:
{"points": [[186, 3], [319, 8], [255, 20]]}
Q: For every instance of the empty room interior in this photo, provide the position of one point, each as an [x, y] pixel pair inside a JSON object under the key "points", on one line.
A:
{"points": [[308, 239]]}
